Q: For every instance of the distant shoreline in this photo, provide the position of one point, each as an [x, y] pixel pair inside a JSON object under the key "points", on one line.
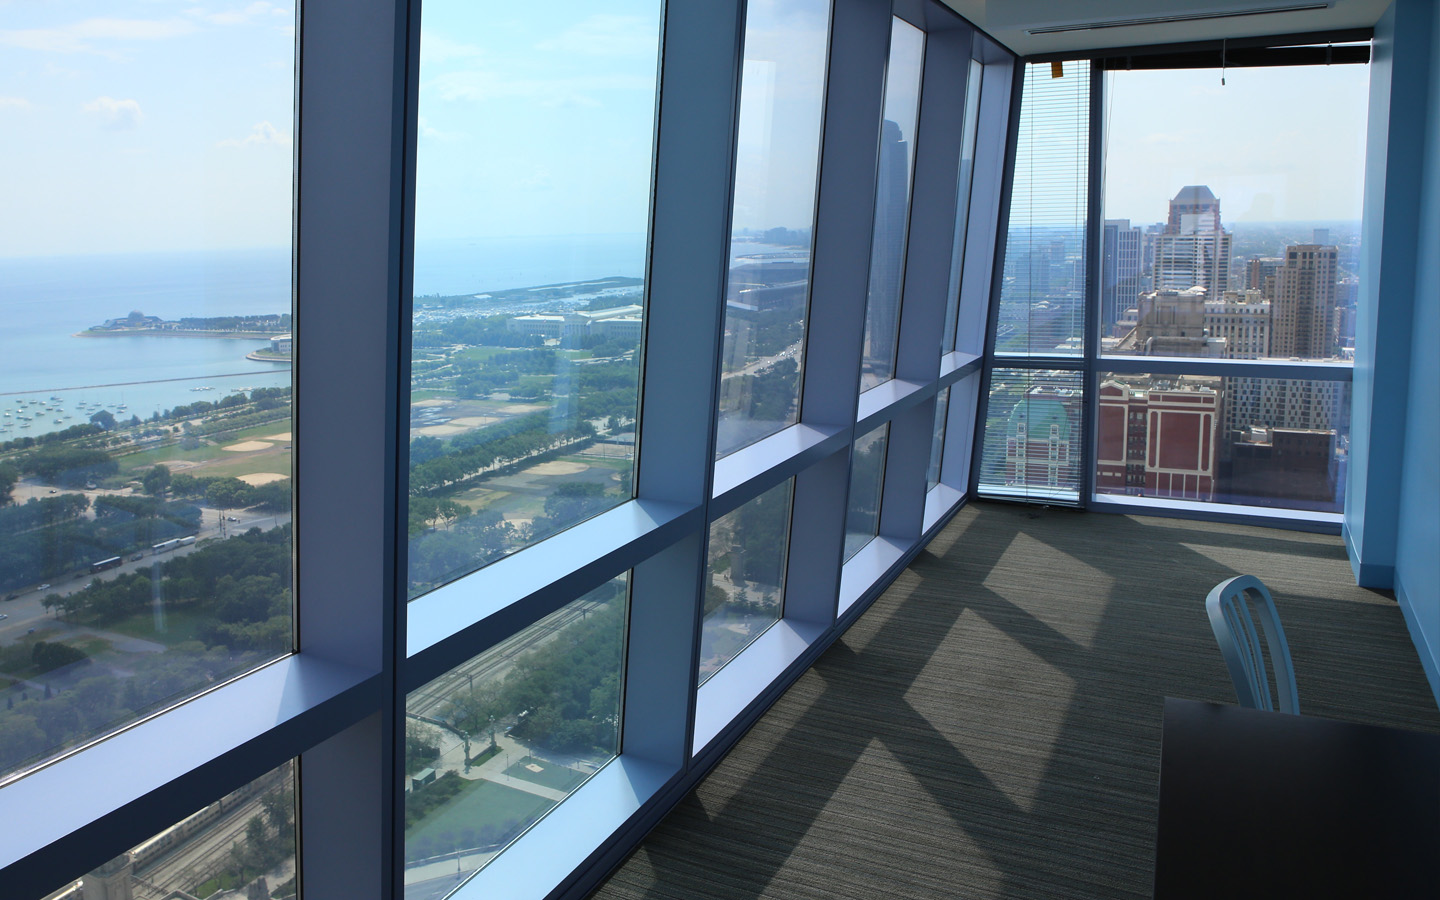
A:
{"points": [[277, 358], [157, 332]]}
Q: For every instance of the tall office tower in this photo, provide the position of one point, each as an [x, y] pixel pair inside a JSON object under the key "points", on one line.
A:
{"points": [[1257, 272], [1119, 272], [1243, 320], [1194, 208], [1303, 311], [887, 257], [1320, 236], [1194, 250], [1147, 254]]}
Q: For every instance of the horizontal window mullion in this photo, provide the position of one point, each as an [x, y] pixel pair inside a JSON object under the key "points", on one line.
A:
{"points": [[1250, 368], [94, 804], [747, 473], [453, 623]]}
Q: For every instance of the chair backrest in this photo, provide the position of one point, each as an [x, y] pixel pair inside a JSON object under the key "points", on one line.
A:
{"points": [[1230, 618]]}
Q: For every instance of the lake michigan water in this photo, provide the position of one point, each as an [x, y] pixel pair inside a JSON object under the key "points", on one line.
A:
{"points": [[45, 301]]}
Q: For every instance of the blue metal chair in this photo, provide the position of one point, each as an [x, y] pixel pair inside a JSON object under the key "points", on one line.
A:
{"points": [[1230, 618]]}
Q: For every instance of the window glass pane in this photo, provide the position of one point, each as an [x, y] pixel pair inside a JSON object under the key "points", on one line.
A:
{"points": [[782, 96], [867, 478], [1032, 435], [1042, 297], [145, 426], [937, 443], [495, 744], [242, 845], [962, 201], [1280, 442], [1248, 253], [531, 213], [745, 588], [892, 202]]}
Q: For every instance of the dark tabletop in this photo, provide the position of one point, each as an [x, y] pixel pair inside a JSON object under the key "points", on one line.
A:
{"points": [[1261, 804]]}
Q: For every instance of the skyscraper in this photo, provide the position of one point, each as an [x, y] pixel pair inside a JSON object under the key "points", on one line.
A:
{"points": [[887, 259], [1194, 249], [1304, 303], [1119, 271]]}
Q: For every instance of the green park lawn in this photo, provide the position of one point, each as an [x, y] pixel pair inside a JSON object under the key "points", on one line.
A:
{"points": [[551, 775], [277, 461], [180, 625], [478, 804]]}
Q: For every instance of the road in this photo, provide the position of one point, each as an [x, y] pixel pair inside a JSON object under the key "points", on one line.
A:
{"points": [[493, 664], [27, 611]]}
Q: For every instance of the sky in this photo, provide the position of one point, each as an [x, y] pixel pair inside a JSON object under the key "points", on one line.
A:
{"points": [[159, 125], [1274, 144], [782, 90], [536, 119], [145, 125]]}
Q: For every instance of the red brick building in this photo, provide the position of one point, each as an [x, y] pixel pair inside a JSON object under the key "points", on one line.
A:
{"points": [[1157, 442]]}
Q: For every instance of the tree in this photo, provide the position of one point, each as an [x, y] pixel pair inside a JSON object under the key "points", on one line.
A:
{"points": [[104, 419], [8, 477], [156, 480]]}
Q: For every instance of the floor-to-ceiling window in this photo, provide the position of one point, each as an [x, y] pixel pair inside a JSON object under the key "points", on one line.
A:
{"points": [[1175, 324], [583, 306], [1231, 233]]}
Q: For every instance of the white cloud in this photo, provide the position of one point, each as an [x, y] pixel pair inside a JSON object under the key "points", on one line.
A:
{"points": [[479, 86], [435, 134], [115, 115], [436, 48], [262, 134], [14, 103], [83, 37], [240, 15], [607, 35]]}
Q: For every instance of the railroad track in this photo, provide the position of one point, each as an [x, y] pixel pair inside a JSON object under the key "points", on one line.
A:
{"points": [[493, 663]]}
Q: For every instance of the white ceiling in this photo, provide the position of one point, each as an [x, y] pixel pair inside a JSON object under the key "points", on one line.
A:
{"points": [[1006, 20]]}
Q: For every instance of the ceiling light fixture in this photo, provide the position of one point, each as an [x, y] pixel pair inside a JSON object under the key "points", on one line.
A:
{"points": [[1182, 17]]}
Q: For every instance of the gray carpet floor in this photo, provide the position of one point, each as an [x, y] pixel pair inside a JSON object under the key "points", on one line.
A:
{"points": [[991, 726]]}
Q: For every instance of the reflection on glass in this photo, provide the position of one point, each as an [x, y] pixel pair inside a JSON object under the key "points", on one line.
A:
{"points": [[892, 202], [962, 201], [242, 845], [937, 443], [782, 94], [145, 422], [1042, 295], [1279, 442], [746, 584], [1032, 435], [498, 742], [867, 478], [531, 211], [1250, 253]]}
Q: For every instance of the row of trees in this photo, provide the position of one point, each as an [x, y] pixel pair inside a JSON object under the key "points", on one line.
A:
{"points": [[564, 694], [474, 452], [49, 537], [239, 590], [220, 492]]}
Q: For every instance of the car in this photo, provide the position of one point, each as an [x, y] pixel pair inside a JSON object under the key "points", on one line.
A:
{"points": [[234, 518], [54, 490], [3, 616], [43, 587], [137, 556]]}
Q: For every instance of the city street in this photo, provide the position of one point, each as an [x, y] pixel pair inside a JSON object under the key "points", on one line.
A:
{"points": [[27, 611]]}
